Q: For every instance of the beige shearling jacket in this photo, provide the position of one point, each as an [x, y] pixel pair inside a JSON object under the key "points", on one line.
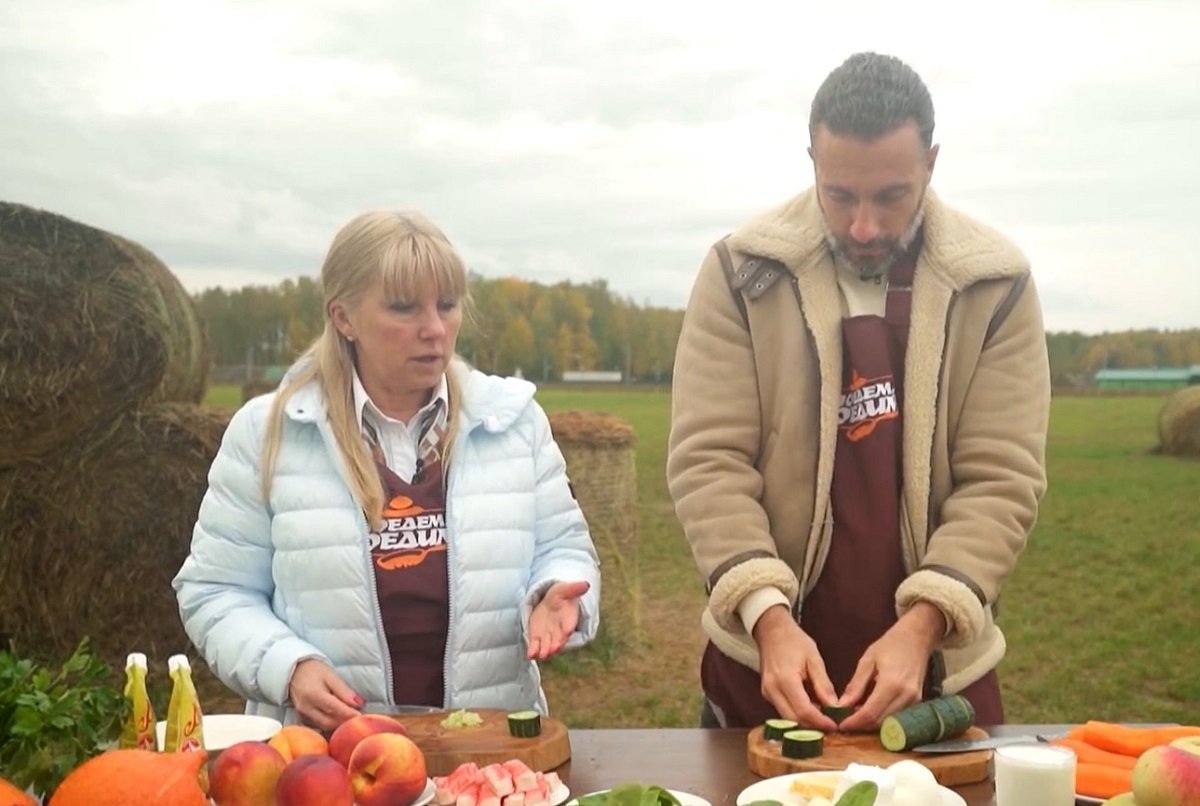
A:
{"points": [[755, 396]]}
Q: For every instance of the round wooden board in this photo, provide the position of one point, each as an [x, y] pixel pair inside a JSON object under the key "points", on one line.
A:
{"points": [[489, 743], [842, 749]]}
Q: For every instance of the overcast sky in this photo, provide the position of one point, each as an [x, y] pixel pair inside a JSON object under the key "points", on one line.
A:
{"points": [[616, 139]]}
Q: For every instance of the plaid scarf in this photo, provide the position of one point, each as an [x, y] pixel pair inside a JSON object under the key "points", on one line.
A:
{"points": [[430, 431]]}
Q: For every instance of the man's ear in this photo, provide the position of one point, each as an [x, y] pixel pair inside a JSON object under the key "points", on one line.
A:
{"points": [[931, 158]]}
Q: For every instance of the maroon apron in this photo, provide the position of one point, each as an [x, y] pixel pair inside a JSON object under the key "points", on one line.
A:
{"points": [[411, 579], [852, 603]]}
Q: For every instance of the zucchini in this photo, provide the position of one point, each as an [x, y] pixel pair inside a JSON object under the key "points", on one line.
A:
{"points": [[524, 724], [861, 794], [926, 722], [803, 743], [837, 713], [773, 729]]}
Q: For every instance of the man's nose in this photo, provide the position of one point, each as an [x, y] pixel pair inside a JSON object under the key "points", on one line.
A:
{"points": [[865, 226]]}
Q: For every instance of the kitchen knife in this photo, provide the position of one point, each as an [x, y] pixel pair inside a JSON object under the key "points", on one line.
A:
{"points": [[967, 745]]}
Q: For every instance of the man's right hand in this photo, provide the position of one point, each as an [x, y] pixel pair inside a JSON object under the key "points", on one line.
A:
{"points": [[322, 699], [788, 659]]}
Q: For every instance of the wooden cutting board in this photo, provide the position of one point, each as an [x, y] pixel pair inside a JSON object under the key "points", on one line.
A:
{"points": [[489, 743], [842, 749]]}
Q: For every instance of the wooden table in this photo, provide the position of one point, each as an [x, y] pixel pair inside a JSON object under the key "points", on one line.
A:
{"points": [[708, 763]]}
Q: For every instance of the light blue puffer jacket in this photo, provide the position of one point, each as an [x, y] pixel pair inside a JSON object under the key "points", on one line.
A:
{"points": [[266, 587]]}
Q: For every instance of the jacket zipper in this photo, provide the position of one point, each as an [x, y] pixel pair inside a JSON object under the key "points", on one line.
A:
{"points": [[451, 578]]}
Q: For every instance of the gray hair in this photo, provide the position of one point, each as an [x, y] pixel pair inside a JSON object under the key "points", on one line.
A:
{"points": [[869, 95]]}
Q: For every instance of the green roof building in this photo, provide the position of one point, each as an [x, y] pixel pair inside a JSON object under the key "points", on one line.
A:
{"points": [[1148, 378]]}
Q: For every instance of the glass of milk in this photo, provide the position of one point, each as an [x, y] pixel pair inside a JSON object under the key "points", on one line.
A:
{"points": [[1034, 775]]}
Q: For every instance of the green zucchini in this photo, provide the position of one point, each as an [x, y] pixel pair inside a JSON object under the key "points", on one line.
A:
{"points": [[926, 722], [861, 794], [524, 724], [773, 729], [803, 743], [837, 713]]}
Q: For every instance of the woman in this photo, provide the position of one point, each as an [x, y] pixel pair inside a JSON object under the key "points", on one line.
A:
{"points": [[390, 526]]}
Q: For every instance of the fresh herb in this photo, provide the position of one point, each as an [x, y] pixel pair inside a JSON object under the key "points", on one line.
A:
{"points": [[631, 795], [51, 721]]}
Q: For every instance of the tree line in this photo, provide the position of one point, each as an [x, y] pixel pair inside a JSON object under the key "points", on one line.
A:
{"points": [[541, 331]]}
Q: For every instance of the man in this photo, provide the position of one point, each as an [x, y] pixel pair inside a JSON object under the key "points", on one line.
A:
{"points": [[860, 402]]}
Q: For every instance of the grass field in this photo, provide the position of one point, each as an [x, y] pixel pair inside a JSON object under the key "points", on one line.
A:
{"points": [[1101, 616]]}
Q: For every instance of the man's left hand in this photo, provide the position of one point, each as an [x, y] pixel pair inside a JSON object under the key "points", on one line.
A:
{"points": [[896, 665], [555, 618]]}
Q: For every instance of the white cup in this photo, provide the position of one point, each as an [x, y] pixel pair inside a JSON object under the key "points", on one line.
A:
{"points": [[1034, 775]]}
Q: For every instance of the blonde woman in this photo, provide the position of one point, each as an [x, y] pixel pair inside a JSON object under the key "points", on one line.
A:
{"points": [[390, 526]]}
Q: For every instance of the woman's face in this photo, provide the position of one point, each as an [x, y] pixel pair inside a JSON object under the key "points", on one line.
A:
{"points": [[403, 345]]}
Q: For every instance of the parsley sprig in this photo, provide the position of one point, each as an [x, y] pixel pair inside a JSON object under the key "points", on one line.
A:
{"points": [[52, 720]]}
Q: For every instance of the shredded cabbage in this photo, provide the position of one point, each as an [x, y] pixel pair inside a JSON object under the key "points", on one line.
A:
{"points": [[462, 718]]}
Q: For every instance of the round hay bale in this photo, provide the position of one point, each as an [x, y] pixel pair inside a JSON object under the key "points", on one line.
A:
{"points": [[94, 535], [1179, 423], [599, 451], [90, 325]]}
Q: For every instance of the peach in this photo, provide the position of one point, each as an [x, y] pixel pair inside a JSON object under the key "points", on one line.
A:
{"points": [[314, 781], [294, 741], [348, 734], [245, 774], [1189, 743], [387, 769], [1167, 776]]}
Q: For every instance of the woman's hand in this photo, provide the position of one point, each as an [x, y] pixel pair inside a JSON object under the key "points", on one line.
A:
{"points": [[555, 618], [321, 698]]}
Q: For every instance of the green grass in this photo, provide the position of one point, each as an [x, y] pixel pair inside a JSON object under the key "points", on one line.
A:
{"points": [[1101, 616]]}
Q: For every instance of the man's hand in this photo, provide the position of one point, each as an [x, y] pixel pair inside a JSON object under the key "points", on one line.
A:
{"points": [[896, 664], [789, 658], [322, 699], [555, 618]]}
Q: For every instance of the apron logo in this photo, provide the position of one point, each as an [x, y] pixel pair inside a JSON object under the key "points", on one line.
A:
{"points": [[409, 534], [867, 403]]}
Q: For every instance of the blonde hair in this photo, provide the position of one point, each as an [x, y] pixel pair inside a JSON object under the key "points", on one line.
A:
{"points": [[411, 255]]}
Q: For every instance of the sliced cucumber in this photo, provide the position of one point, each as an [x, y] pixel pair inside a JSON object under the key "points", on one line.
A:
{"points": [[803, 743], [773, 729], [837, 713], [926, 722], [524, 724]]}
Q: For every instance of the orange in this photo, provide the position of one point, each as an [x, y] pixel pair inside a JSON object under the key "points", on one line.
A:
{"points": [[135, 778], [11, 796]]}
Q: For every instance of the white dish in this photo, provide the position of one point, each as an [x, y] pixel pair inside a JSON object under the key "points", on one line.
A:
{"points": [[222, 731], [1087, 799], [426, 794], [559, 794], [779, 788], [684, 798]]}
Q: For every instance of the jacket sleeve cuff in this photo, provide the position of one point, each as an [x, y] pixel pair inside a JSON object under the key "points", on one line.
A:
{"points": [[962, 607], [278, 664], [759, 602], [747, 578]]}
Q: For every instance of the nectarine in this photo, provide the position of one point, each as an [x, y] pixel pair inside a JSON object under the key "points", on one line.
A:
{"points": [[294, 741], [245, 774], [387, 769], [348, 734], [314, 781], [1167, 776]]}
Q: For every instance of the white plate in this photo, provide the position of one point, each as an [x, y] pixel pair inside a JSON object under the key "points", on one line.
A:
{"points": [[559, 794], [778, 788], [684, 798], [426, 794], [222, 731]]}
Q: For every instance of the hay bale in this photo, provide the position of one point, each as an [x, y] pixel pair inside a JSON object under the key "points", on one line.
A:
{"points": [[90, 325], [599, 450], [1179, 423], [93, 535]]}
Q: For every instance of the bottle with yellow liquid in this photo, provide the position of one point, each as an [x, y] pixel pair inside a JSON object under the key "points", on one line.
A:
{"points": [[138, 732], [185, 722]]}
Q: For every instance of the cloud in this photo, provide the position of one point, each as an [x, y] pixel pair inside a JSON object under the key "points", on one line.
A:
{"points": [[580, 141]]}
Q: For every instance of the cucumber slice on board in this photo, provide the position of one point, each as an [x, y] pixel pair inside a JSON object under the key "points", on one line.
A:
{"points": [[803, 743], [524, 724], [773, 729]]}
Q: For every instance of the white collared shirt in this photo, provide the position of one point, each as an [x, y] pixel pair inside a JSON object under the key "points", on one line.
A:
{"points": [[397, 440]]}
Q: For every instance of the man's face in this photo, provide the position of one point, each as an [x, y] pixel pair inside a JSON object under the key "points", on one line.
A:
{"points": [[871, 192]]}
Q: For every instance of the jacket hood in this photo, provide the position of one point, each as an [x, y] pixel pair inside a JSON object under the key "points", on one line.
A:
{"points": [[957, 247]]}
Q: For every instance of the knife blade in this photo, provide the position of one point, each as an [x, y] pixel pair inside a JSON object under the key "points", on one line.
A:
{"points": [[990, 743]]}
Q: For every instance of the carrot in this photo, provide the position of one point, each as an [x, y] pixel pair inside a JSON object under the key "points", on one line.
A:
{"points": [[1129, 741], [1076, 733], [1101, 780], [1090, 754]]}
